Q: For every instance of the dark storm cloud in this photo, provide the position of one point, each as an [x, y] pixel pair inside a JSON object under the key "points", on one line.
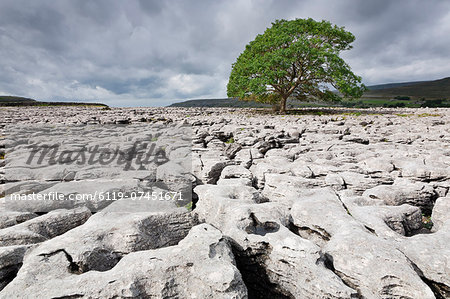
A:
{"points": [[137, 53], [41, 27]]}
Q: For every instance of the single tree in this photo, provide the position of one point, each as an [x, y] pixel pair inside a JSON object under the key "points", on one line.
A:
{"points": [[298, 58]]}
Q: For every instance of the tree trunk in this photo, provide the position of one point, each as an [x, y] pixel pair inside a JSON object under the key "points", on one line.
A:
{"points": [[283, 105]]}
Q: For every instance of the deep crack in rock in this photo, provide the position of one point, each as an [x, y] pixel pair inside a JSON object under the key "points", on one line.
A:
{"points": [[250, 264]]}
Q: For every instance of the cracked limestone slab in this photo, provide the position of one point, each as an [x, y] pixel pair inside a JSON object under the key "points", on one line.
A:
{"points": [[200, 266]]}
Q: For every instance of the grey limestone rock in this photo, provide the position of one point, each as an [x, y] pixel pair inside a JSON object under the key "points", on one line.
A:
{"points": [[236, 171], [10, 218], [371, 265], [430, 256], [295, 206], [404, 191], [273, 261], [200, 266], [11, 258], [43, 227], [441, 212]]}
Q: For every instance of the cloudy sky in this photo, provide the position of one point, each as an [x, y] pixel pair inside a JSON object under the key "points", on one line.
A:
{"points": [[156, 52]]}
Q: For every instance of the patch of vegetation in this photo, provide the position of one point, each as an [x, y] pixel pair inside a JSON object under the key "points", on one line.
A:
{"points": [[309, 112], [230, 140], [189, 206], [2, 155], [402, 98], [402, 115], [426, 221], [436, 103], [396, 105], [377, 102], [427, 115], [354, 104], [353, 113], [389, 102]]}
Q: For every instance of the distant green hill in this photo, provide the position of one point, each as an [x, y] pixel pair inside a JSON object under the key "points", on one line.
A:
{"points": [[20, 101], [13, 99], [437, 89], [392, 85]]}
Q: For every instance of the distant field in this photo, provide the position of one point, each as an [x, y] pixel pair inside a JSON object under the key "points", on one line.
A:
{"points": [[392, 102]]}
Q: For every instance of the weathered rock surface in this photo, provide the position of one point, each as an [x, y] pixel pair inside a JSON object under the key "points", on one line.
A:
{"points": [[317, 205], [10, 218], [11, 258], [274, 261], [441, 210], [430, 256], [43, 227], [200, 266], [369, 264], [403, 191]]}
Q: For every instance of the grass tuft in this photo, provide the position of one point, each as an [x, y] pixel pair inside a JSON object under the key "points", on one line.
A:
{"points": [[427, 115], [230, 140], [189, 206]]}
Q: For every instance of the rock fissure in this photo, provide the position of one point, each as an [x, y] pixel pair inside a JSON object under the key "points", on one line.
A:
{"points": [[327, 261], [73, 266], [440, 290], [251, 265]]}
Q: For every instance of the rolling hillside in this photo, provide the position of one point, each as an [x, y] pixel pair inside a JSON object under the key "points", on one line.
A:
{"points": [[437, 89], [13, 99], [393, 85]]}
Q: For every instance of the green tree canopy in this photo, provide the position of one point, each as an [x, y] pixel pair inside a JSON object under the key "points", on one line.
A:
{"points": [[298, 58]]}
